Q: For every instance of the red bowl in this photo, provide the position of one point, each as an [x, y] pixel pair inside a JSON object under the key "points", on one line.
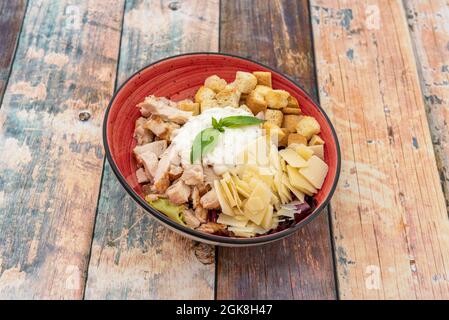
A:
{"points": [[177, 78]]}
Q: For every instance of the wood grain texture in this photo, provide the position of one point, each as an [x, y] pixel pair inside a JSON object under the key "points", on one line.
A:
{"points": [[389, 217], [133, 256], [276, 33], [429, 28], [51, 162], [11, 16]]}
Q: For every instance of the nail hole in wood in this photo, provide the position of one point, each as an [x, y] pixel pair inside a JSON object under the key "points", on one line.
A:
{"points": [[175, 5], [84, 115]]}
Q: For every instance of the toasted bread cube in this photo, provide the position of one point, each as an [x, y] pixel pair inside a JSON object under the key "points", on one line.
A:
{"points": [[292, 102], [256, 102], [316, 140], [263, 78], [296, 138], [308, 126], [290, 121], [277, 99], [245, 107], [189, 105], [245, 81], [262, 90], [274, 116], [204, 93], [228, 98], [243, 97], [288, 110], [284, 141], [208, 104], [215, 83]]}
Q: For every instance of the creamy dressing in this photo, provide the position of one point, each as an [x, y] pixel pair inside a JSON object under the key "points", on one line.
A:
{"points": [[231, 143]]}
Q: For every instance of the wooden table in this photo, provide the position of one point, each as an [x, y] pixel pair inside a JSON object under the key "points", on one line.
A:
{"points": [[380, 68]]}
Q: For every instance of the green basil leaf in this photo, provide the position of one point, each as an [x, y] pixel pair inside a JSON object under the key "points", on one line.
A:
{"points": [[217, 125], [239, 121], [203, 143]]}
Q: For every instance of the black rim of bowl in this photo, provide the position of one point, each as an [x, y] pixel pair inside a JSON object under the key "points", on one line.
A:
{"points": [[202, 235]]}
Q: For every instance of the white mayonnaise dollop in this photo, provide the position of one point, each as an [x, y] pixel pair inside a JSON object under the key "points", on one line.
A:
{"points": [[231, 143]]}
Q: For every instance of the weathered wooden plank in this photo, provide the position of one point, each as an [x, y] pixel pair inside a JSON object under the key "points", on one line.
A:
{"points": [[133, 257], [51, 162], [389, 218], [428, 23], [11, 16], [277, 33]]}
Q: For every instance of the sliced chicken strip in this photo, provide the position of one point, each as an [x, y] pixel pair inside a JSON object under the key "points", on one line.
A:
{"points": [[161, 177], [142, 176], [178, 193], [141, 134], [174, 172], [164, 108], [162, 129], [150, 163], [201, 214], [156, 147], [210, 200], [190, 219], [193, 174]]}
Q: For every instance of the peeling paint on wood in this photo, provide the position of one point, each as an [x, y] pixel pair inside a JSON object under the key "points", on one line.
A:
{"points": [[429, 28], [389, 217], [51, 166], [276, 33], [133, 256]]}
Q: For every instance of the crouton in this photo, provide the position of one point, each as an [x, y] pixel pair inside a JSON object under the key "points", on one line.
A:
{"points": [[277, 99], [274, 116], [288, 110], [256, 102], [296, 138], [308, 126], [292, 102], [215, 83], [189, 105], [316, 140], [284, 140], [290, 121], [245, 82], [263, 78], [243, 97], [204, 93], [208, 104], [228, 98], [263, 90]]}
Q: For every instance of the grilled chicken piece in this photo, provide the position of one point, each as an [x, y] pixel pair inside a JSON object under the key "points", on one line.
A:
{"points": [[150, 163], [154, 197], [211, 227], [141, 134], [142, 176], [195, 197], [190, 219], [156, 147], [210, 200], [193, 174], [201, 214], [161, 176], [164, 108], [174, 172], [178, 193], [210, 176], [162, 129]]}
